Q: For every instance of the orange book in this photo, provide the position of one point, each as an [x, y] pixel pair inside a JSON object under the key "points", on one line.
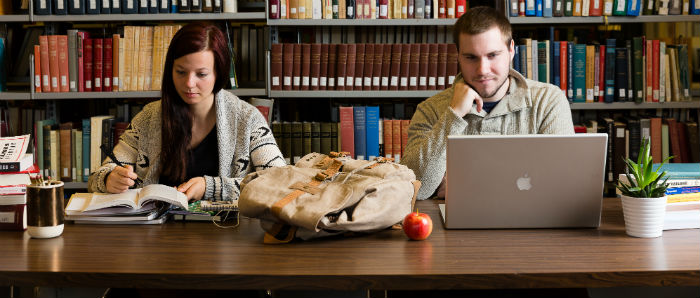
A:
{"points": [[37, 68], [396, 139], [66, 151], [388, 138], [404, 134], [655, 135], [53, 63], [115, 62]]}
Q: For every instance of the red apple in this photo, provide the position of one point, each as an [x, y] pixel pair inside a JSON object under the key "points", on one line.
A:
{"points": [[417, 226]]}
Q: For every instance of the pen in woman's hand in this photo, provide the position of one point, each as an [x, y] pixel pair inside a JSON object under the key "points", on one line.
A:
{"points": [[137, 182]]}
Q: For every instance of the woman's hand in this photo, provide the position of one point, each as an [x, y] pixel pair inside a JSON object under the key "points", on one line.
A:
{"points": [[120, 179], [194, 188]]}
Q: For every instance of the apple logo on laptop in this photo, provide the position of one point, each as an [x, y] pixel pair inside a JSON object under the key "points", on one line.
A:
{"points": [[523, 183]]}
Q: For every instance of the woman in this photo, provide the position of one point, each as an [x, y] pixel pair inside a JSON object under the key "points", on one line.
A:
{"points": [[175, 141]]}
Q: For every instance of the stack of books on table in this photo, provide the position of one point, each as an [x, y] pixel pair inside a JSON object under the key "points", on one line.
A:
{"points": [[147, 205], [682, 195], [16, 166]]}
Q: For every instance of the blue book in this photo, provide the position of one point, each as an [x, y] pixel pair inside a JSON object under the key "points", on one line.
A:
{"points": [[3, 73], [130, 6], [610, 69], [143, 6], [359, 121], [538, 8], [42, 7], [682, 190], [680, 170], [86, 149], [530, 9], [174, 8], [93, 7], [164, 6], [60, 7], [620, 74], [579, 73], [570, 71], [153, 7], [516, 58], [556, 80], [106, 7], [76, 6], [694, 7], [372, 125], [547, 9], [633, 7], [116, 6]]}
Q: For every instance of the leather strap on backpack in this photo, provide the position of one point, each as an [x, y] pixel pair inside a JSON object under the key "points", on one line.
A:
{"points": [[330, 172]]}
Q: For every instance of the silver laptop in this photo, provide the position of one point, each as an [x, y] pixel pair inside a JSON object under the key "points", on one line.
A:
{"points": [[524, 181]]}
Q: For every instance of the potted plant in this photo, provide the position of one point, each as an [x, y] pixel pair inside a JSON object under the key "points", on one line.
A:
{"points": [[644, 195]]}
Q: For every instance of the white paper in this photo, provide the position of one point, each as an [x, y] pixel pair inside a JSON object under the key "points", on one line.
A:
{"points": [[13, 148]]}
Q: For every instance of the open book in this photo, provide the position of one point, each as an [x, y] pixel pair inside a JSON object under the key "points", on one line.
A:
{"points": [[133, 198]]}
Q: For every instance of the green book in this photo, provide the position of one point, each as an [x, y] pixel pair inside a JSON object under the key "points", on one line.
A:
{"points": [[579, 73], [620, 8], [542, 61], [568, 8], [638, 52]]}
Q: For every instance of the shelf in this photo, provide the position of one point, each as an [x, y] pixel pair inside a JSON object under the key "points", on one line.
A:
{"points": [[634, 106], [353, 94], [14, 18], [362, 22], [75, 185], [601, 20], [14, 95], [150, 17]]}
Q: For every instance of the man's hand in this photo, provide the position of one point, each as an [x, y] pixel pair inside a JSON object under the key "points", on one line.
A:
{"points": [[120, 179], [194, 188], [463, 98]]}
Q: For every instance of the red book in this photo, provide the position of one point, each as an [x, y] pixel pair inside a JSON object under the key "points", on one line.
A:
{"points": [[369, 67], [350, 66], [460, 7], [274, 9], [386, 66], [383, 9], [601, 77], [405, 66], [37, 68], [305, 66], [359, 65], [596, 9], [115, 61], [655, 135], [442, 66], [287, 65], [107, 62], [53, 63], [80, 54], [521, 8], [332, 64], [315, 65], [432, 66], [87, 63], [323, 71], [347, 130], [683, 138], [377, 66], [442, 9], [411, 8], [63, 63], [674, 140], [396, 139], [414, 67], [388, 138], [423, 66], [276, 66], [45, 68], [296, 67], [395, 71], [655, 69], [341, 67], [563, 67], [97, 64], [452, 64]]}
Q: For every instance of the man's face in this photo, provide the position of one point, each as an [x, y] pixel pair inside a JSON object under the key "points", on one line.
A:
{"points": [[484, 60]]}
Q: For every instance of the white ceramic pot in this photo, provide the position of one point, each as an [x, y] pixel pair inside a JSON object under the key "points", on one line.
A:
{"points": [[644, 217]]}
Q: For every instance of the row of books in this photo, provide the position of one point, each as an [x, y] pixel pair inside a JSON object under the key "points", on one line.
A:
{"points": [[79, 7], [366, 9], [585, 8], [77, 63], [640, 70], [668, 136], [360, 132], [362, 66]]}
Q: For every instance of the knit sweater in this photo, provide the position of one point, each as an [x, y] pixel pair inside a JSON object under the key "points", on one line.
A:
{"points": [[245, 144], [530, 107]]}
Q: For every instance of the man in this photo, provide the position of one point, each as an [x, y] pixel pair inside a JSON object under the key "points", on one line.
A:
{"points": [[487, 97]]}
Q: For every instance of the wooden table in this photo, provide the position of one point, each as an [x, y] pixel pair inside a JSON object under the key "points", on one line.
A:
{"points": [[180, 255]]}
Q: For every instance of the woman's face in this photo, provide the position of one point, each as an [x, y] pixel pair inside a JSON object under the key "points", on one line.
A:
{"points": [[194, 77]]}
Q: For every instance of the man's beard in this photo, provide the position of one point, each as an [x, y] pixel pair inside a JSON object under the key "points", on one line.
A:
{"points": [[489, 95]]}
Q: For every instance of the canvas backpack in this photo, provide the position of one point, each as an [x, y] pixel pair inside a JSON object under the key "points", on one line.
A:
{"points": [[326, 195]]}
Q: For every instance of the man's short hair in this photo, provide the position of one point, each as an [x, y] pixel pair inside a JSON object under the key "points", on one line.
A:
{"points": [[481, 19]]}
